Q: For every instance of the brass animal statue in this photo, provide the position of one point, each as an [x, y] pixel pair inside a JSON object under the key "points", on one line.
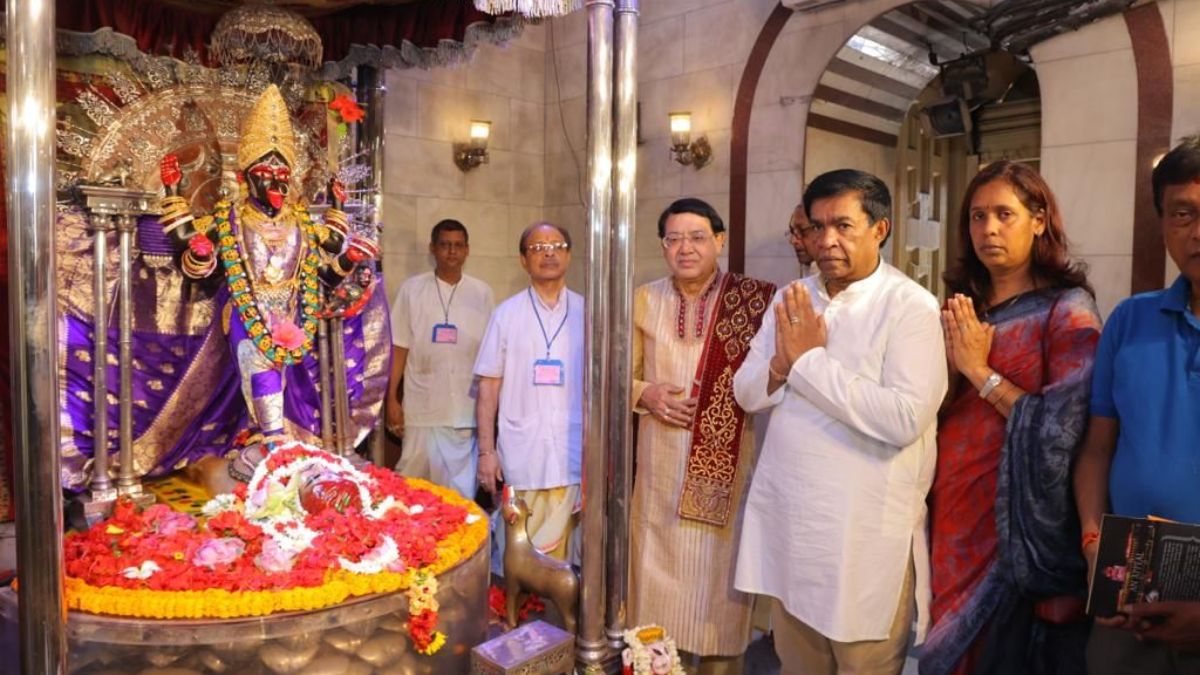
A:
{"points": [[527, 569]]}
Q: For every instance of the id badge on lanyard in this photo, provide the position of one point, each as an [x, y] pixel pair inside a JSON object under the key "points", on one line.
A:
{"points": [[548, 373], [445, 334]]}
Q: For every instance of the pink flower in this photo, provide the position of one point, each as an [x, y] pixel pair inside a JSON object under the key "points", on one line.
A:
{"points": [[275, 558], [287, 334], [167, 521], [218, 552]]}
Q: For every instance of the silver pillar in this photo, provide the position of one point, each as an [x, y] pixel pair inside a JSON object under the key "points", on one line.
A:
{"points": [[102, 489], [371, 92], [620, 317], [591, 644], [107, 205], [32, 294], [343, 438], [127, 479], [326, 385]]}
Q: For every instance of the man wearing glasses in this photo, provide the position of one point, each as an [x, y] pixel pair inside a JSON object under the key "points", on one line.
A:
{"points": [[530, 369], [437, 323], [850, 364], [795, 237], [691, 331]]}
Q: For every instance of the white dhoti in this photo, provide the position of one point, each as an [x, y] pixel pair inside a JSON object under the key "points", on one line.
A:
{"points": [[444, 455]]}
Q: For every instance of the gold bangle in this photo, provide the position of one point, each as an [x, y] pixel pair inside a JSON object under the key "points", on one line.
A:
{"points": [[337, 220], [342, 271]]}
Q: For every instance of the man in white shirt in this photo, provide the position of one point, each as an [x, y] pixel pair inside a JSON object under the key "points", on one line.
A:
{"points": [[530, 369], [851, 365], [438, 320]]}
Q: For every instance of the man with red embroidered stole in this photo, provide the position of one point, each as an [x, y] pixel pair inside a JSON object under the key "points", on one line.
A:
{"points": [[692, 330]]}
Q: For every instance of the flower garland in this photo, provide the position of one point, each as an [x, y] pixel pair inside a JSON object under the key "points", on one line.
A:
{"points": [[650, 652], [243, 296], [162, 564]]}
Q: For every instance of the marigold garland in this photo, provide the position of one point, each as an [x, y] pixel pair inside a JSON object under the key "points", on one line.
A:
{"points": [[98, 554], [243, 298]]}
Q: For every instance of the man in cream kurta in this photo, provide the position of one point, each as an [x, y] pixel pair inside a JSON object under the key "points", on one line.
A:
{"points": [[851, 366], [438, 320], [531, 386], [681, 567]]}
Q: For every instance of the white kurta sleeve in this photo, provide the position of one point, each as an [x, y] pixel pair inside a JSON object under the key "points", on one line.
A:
{"points": [[750, 381], [490, 360], [489, 300], [900, 407]]}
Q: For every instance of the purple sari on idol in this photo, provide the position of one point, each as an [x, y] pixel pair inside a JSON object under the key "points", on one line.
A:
{"points": [[187, 397]]}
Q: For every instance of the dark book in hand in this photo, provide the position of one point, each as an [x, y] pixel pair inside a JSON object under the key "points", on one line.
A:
{"points": [[1144, 560]]}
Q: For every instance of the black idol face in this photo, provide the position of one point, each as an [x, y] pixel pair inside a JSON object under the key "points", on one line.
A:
{"points": [[268, 181]]}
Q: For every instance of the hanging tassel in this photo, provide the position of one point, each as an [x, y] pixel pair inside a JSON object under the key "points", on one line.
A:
{"points": [[529, 8]]}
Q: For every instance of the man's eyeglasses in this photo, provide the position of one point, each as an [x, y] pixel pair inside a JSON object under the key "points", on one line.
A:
{"points": [[698, 238], [548, 247], [793, 233]]}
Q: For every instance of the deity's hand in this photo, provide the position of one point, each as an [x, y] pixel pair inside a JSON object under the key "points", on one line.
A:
{"points": [[170, 173], [361, 249], [200, 246], [337, 193]]}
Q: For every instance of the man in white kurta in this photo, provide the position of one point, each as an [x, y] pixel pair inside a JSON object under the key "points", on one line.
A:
{"points": [[438, 320], [851, 366], [530, 366]]}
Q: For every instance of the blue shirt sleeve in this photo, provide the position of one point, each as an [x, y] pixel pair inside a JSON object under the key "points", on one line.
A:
{"points": [[1103, 403]]}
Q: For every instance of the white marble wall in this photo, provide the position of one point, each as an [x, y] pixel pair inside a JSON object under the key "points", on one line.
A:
{"points": [[426, 112], [1089, 143], [777, 160], [690, 56], [1089, 132]]}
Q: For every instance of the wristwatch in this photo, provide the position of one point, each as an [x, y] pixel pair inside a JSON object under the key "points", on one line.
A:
{"points": [[990, 384]]}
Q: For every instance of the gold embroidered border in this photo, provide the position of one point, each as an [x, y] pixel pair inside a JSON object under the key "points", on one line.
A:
{"points": [[711, 472]]}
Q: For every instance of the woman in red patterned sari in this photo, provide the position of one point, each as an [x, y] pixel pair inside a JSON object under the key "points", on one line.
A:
{"points": [[1021, 331]]}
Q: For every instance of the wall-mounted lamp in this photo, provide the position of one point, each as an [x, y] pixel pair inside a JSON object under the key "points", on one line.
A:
{"points": [[684, 150], [470, 155]]}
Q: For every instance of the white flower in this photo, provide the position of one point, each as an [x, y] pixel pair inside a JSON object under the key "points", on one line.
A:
{"points": [[145, 571], [380, 510], [472, 518], [219, 504], [415, 509]]}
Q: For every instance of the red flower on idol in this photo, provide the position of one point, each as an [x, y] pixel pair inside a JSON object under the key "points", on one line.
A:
{"points": [[346, 108]]}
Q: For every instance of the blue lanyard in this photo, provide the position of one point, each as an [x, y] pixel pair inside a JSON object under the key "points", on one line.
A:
{"points": [[445, 305], [567, 312]]}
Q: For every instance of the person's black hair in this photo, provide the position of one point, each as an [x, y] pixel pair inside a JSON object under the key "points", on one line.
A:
{"points": [[872, 192], [545, 223], [1178, 167], [691, 205], [1050, 262], [448, 225]]}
